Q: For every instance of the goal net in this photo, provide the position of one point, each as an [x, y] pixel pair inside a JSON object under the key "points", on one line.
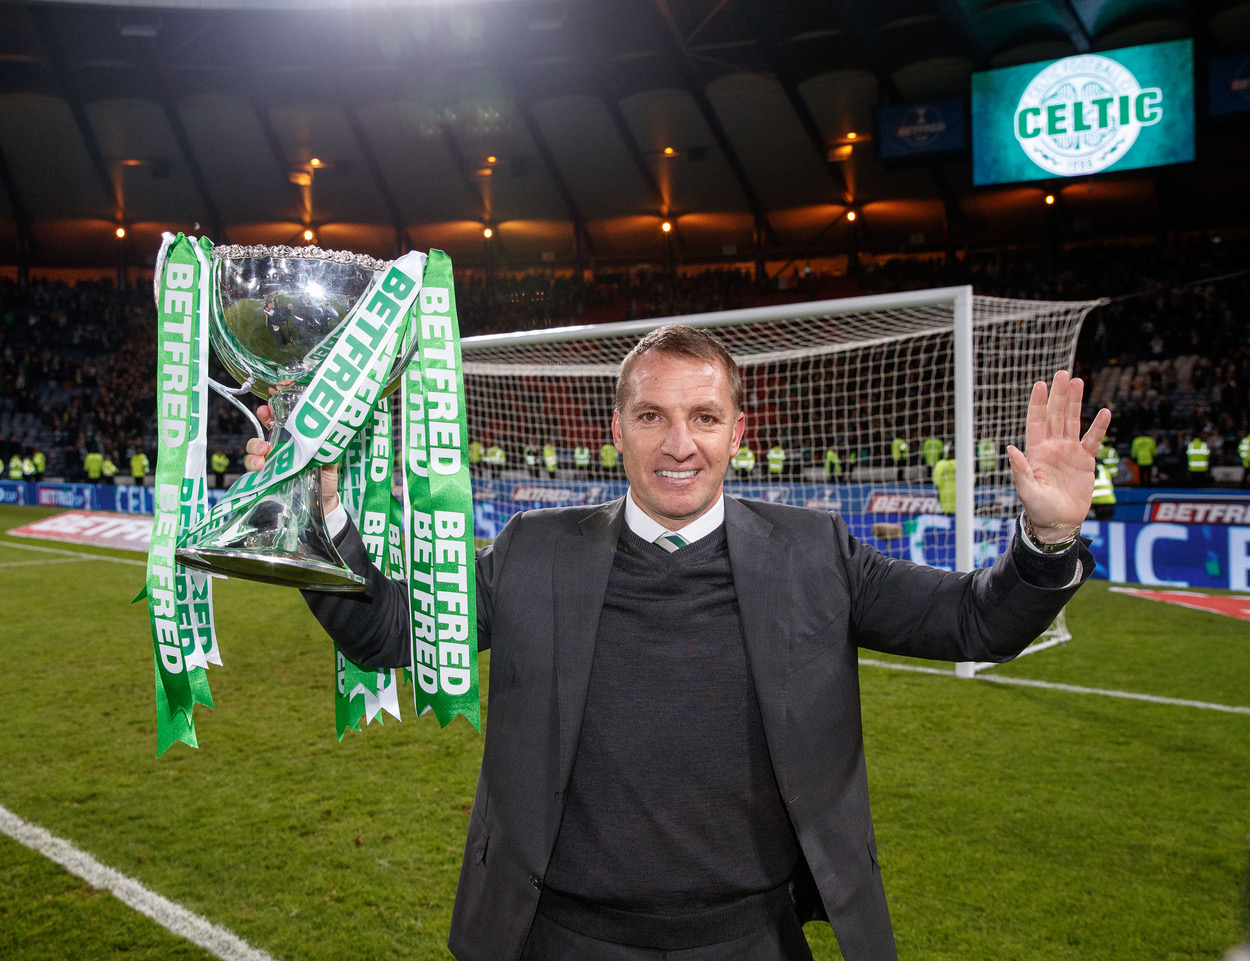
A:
{"points": [[859, 402]]}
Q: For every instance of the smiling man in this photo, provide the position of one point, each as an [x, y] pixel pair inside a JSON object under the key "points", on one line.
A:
{"points": [[674, 764], [678, 419]]}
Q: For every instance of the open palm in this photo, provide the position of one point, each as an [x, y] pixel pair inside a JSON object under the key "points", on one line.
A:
{"points": [[1054, 474]]}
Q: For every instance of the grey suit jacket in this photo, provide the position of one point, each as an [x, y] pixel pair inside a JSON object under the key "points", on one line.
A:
{"points": [[809, 594]]}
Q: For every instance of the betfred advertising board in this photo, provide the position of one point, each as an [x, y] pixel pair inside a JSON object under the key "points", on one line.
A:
{"points": [[122, 531]]}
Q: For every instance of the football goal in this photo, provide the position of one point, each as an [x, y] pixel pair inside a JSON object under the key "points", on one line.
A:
{"points": [[858, 401]]}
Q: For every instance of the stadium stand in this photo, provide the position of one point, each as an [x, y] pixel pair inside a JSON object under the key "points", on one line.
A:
{"points": [[1170, 350]]}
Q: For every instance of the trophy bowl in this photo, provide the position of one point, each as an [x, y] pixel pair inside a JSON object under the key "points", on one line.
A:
{"points": [[275, 312]]}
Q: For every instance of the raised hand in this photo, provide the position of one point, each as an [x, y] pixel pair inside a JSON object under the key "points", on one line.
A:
{"points": [[1055, 474], [258, 450]]}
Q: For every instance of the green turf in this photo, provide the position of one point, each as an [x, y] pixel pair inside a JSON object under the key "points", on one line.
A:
{"points": [[48, 914], [1012, 822]]}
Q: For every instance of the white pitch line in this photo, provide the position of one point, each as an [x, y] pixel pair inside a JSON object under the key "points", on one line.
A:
{"points": [[173, 917], [1067, 688], [44, 562], [74, 554]]}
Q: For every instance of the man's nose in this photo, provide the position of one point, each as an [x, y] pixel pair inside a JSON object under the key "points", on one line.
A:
{"points": [[678, 441]]}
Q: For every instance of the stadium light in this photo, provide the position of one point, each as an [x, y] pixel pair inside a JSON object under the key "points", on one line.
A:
{"points": [[851, 135], [1050, 199], [666, 226], [669, 151], [120, 231], [309, 236], [488, 233], [492, 159], [851, 215], [315, 162]]}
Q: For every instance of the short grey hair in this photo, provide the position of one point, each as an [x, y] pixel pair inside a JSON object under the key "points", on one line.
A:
{"points": [[685, 341]]}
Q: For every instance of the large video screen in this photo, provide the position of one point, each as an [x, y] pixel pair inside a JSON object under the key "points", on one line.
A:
{"points": [[1083, 115]]}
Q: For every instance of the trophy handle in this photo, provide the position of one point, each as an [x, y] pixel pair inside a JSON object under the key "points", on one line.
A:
{"points": [[232, 394]]}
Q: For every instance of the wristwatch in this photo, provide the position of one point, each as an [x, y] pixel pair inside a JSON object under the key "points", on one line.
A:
{"points": [[1057, 548]]}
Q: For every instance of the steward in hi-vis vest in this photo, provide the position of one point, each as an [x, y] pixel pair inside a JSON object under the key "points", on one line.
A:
{"points": [[987, 455], [898, 456], [1109, 458], [219, 462], [776, 462], [1104, 493], [1198, 454], [833, 466], [607, 460], [743, 462], [1143, 452], [944, 478], [495, 459], [931, 451]]}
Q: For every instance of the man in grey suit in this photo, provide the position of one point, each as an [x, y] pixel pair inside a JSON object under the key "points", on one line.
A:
{"points": [[674, 764]]}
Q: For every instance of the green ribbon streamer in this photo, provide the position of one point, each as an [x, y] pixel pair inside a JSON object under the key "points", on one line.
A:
{"points": [[362, 693], [439, 501], [181, 343]]}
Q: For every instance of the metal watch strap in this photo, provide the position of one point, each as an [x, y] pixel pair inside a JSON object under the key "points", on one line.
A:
{"points": [[1031, 534]]}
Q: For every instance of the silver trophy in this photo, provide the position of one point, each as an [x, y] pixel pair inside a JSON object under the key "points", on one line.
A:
{"points": [[274, 314]]}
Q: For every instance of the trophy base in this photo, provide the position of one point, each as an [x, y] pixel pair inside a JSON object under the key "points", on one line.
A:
{"points": [[280, 539], [305, 573]]}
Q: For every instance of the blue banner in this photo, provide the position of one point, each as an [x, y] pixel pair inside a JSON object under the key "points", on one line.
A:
{"points": [[1228, 84], [1171, 555], [1179, 538], [921, 129], [124, 498], [79, 496]]}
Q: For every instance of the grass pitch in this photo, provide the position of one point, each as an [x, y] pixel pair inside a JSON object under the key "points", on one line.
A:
{"points": [[1012, 822]]}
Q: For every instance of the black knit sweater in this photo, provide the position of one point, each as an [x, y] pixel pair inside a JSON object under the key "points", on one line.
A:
{"points": [[674, 833]]}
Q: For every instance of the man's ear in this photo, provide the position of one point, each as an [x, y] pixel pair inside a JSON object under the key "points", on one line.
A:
{"points": [[740, 428], [616, 430]]}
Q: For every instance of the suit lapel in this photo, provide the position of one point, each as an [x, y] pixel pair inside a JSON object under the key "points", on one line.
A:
{"points": [[760, 564], [583, 564]]}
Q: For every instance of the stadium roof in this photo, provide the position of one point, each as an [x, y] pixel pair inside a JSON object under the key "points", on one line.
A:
{"points": [[577, 125]]}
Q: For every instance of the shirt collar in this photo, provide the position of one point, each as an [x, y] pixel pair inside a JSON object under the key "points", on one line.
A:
{"points": [[649, 529]]}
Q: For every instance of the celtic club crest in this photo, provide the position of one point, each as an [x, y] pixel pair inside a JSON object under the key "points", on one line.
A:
{"points": [[1082, 114]]}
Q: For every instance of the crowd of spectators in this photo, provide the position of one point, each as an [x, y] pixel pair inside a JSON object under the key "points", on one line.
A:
{"points": [[1177, 328], [77, 362]]}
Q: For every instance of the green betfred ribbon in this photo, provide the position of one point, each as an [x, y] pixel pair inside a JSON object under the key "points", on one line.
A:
{"points": [[179, 601], [362, 693], [440, 555]]}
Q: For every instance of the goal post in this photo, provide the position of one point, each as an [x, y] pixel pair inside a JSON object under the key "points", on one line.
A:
{"points": [[863, 396]]}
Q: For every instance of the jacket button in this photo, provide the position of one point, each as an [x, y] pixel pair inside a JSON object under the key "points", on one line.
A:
{"points": [[536, 882]]}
